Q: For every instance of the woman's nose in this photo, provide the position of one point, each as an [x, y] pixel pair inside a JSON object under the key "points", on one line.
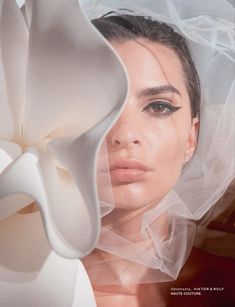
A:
{"points": [[124, 134]]}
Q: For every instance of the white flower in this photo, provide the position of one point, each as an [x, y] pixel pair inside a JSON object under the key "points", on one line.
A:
{"points": [[61, 87]]}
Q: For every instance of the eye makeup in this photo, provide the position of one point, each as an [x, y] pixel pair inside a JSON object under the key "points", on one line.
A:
{"points": [[160, 108]]}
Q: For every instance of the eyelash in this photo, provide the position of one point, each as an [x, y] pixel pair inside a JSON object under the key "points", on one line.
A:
{"points": [[155, 108]]}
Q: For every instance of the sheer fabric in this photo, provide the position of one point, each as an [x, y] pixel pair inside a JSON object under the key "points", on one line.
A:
{"points": [[167, 230]]}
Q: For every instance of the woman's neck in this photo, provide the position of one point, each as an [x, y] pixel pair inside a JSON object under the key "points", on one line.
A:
{"points": [[129, 223]]}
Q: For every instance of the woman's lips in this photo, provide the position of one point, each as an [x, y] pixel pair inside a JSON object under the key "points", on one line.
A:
{"points": [[127, 171]]}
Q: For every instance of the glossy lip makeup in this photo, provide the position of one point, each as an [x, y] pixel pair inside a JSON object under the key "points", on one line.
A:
{"points": [[127, 170]]}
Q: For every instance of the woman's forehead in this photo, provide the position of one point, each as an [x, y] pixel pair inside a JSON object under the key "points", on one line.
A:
{"points": [[151, 64]]}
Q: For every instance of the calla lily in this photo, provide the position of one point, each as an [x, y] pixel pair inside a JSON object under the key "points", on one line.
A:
{"points": [[62, 87]]}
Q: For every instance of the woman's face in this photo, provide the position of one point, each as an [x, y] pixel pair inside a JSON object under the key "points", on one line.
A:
{"points": [[155, 134]]}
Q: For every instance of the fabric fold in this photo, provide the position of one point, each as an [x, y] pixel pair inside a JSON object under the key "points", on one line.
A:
{"points": [[64, 82]]}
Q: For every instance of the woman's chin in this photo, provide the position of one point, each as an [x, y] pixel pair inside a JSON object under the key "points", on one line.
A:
{"points": [[132, 196]]}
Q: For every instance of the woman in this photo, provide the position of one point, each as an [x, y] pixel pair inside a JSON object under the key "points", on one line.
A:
{"points": [[135, 245], [147, 149]]}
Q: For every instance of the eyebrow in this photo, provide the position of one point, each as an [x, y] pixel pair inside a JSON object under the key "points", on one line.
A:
{"points": [[156, 90]]}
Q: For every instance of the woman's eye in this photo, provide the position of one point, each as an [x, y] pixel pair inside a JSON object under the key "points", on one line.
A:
{"points": [[160, 108]]}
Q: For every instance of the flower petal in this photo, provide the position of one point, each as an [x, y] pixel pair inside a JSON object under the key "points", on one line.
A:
{"points": [[74, 79], [75, 85], [13, 53], [8, 153], [78, 156], [63, 208]]}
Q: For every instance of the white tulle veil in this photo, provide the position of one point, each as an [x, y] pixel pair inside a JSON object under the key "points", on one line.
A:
{"points": [[208, 29]]}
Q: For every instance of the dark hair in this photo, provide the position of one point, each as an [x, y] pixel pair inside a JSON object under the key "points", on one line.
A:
{"points": [[131, 27]]}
